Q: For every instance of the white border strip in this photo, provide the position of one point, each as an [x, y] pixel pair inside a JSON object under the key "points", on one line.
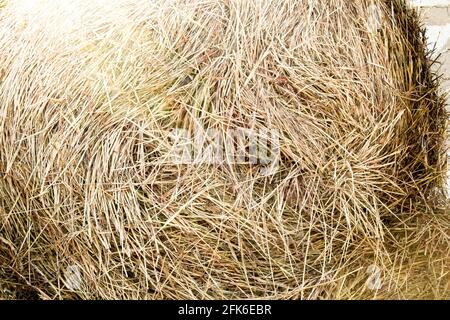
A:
{"points": [[430, 3]]}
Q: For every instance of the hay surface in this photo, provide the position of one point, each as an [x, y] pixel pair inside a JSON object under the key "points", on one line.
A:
{"points": [[90, 92]]}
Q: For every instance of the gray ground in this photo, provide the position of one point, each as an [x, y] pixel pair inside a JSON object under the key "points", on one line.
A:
{"points": [[438, 21]]}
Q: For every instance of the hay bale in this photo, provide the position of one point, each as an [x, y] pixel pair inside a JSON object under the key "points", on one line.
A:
{"points": [[348, 204]]}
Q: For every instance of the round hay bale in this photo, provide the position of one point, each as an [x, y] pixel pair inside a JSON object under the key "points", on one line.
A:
{"points": [[221, 149]]}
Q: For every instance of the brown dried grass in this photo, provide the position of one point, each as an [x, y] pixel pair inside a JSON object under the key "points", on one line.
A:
{"points": [[89, 96]]}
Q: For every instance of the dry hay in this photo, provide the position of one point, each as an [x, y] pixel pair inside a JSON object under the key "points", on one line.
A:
{"points": [[92, 207]]}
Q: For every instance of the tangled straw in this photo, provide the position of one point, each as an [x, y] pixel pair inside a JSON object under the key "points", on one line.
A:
{"points": [[91, 205]]}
